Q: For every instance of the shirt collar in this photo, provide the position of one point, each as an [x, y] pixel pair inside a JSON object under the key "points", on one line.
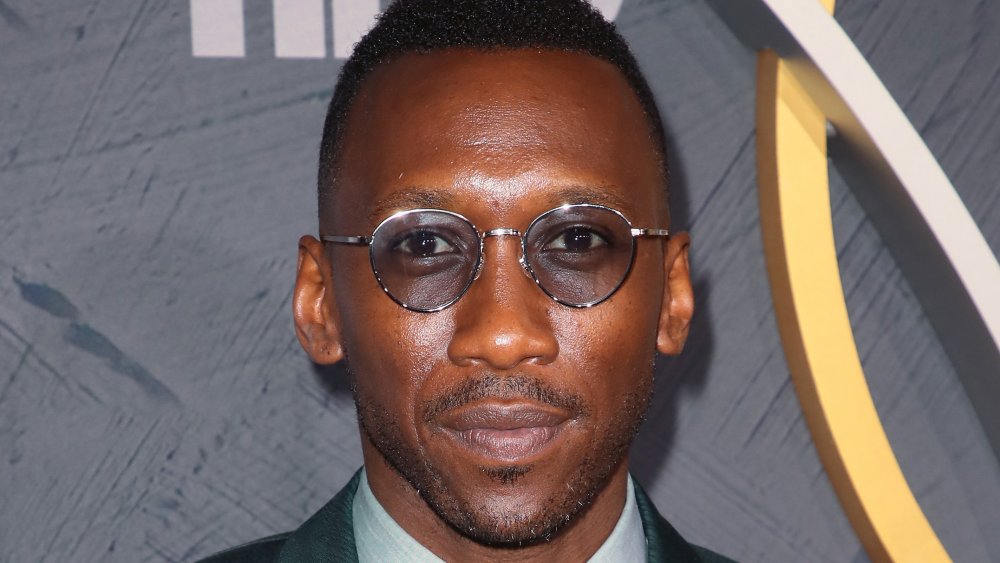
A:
{"points": [[627, 541], [379, 538]]}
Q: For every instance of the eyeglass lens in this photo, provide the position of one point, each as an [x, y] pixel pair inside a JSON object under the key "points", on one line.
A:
{"points": [[427, 259]]}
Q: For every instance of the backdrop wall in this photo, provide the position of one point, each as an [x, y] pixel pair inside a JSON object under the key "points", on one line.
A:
{"points": [[154, 403]]}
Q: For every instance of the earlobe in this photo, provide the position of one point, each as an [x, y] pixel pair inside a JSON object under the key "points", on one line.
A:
{"points": [[677, 306], [314, 310]]}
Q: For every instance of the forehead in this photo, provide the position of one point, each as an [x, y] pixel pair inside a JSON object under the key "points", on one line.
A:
{"points": [[497, 132]]}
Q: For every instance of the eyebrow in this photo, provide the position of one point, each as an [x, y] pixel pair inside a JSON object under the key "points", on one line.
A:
{"points": [[410, 198], [599, 195], [439, 198]]}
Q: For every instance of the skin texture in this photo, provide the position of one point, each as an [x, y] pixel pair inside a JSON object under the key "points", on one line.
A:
{"points": [[499, 137]]}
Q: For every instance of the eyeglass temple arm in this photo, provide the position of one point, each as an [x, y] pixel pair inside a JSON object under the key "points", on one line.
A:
{"points": [[650, 233], [342, 239]]}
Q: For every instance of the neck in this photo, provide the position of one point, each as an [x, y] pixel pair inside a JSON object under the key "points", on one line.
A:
{"points": [[576, 541]]}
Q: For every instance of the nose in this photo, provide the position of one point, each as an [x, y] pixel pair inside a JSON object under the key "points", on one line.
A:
{"points": [[501, 322]]}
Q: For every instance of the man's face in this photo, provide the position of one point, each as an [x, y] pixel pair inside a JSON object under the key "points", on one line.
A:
{"points": [[507, 412]]}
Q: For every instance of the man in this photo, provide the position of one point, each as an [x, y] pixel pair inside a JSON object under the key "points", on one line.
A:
{"points": [[494, 265]]}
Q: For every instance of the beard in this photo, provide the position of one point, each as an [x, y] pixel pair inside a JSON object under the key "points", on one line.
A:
{"points": [[506, 524]]}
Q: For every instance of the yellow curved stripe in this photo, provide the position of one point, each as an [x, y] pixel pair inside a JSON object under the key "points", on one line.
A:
{"points": [[815, 331]]}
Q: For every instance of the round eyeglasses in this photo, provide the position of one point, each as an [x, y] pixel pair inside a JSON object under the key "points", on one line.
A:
{"points": [[426, 259]]}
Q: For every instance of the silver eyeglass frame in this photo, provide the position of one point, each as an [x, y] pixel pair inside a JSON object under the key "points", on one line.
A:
{"points": [[483, 235]]}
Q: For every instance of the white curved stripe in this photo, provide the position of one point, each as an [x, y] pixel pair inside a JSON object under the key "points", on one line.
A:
{"points": [[834, 54]]}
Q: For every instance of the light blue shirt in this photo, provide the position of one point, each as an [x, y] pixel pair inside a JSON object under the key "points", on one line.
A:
{"points": [[379, 538]]}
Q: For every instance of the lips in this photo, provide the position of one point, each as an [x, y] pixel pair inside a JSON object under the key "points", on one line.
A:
{"points": [[509, 432]]}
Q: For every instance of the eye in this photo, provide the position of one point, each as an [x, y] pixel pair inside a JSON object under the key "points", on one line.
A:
{"points": [[576, 239], [423, 244]]}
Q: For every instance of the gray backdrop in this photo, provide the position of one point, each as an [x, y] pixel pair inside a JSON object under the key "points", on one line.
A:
{"points": [[155, 406]]}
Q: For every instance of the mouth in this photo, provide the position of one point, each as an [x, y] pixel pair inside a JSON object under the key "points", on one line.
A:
{"points": [[505, 432]]}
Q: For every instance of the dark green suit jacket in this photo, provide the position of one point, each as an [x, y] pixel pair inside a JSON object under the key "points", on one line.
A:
{"points": [[329, 536]]}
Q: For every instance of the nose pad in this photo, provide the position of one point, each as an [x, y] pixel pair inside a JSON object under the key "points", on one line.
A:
{"points": [[523, 261]]}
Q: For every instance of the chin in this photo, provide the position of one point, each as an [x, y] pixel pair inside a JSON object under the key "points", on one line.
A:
{"points": [[514, 505], [511, 510]]}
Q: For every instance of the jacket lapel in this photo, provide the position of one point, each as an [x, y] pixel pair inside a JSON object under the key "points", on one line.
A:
{"points": [[329, 535], [663, 543]]}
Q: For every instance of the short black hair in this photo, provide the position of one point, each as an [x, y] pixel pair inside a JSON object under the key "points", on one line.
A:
{"points": [[423, 26]]}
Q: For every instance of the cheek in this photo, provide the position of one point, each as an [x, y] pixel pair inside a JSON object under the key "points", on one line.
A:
{"points": [[622, 327], [612, 346], [427, 335], [391, 351]]}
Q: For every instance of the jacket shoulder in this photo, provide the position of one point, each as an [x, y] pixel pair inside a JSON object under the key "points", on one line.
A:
{"points": [[264, 550]]}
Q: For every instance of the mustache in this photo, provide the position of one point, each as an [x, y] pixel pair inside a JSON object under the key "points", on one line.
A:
{"points": [[491, 386]]}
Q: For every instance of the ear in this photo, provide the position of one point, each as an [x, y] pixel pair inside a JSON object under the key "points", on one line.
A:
{"points": [[316, 321], [677, 306]]}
